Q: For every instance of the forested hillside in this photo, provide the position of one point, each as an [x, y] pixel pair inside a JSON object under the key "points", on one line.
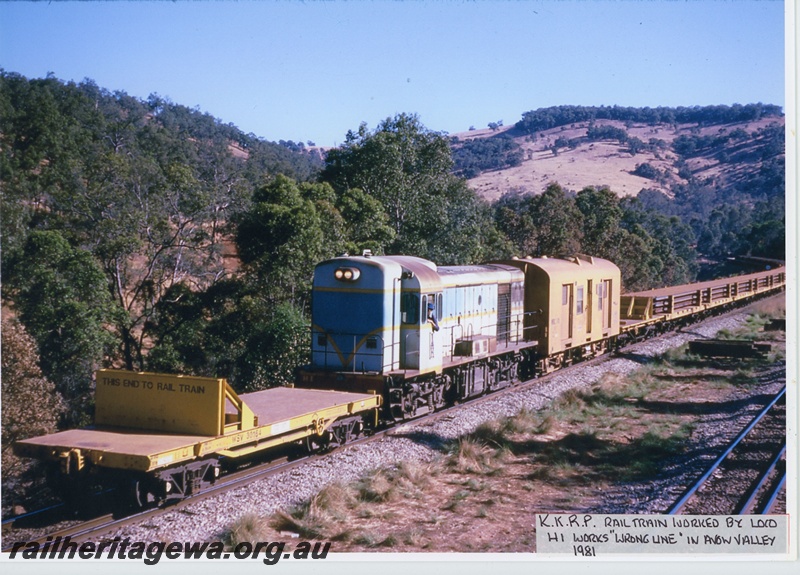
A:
{"points": [[719, 169], [628, 149], [150, 236]]}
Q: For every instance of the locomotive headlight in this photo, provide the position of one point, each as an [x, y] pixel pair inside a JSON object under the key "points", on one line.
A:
{"points": [[347, 274]]}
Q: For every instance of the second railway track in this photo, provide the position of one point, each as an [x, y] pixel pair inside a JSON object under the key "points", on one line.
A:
{"points": [[748, 475]]}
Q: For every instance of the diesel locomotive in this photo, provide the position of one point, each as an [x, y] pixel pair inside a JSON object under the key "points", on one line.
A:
{"points": [[423, 335]]}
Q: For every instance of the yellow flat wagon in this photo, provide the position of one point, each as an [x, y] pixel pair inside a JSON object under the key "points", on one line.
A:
{"points": [[169, 433]]}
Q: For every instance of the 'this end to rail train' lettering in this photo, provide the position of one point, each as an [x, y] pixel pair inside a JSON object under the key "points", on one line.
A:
{"points": [[144, 384]]}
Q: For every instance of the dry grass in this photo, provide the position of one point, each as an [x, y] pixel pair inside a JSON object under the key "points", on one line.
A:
{"points": [[331, 512], [248, 528], [471, 455]]}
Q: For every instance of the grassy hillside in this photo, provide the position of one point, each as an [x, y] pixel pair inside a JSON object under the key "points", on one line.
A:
{"points": [[729, 155]]}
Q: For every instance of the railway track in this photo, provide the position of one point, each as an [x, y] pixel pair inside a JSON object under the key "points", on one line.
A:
{"points": [[748, 476], [98, 527]]}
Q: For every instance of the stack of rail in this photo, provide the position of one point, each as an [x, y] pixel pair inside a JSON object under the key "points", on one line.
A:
{"points": [[640, 311]]}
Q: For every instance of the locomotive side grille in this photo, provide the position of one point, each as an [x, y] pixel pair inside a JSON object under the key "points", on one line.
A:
{"points": [[503, 312]]}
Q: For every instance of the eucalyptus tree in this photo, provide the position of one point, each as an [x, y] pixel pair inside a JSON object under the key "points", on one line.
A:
{"points": [[407, 168], [61, 296], [286, 231]]}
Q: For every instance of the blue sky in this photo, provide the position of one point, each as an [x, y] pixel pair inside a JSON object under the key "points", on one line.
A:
{"points": [[291, 70]]}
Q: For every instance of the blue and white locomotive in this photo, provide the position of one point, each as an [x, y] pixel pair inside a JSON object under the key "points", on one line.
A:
{"points": [[423, 335]]}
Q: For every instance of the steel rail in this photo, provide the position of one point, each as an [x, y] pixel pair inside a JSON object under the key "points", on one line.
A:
{"points": [[676, 507], [12, 520], [773, 494], [746, 507]]}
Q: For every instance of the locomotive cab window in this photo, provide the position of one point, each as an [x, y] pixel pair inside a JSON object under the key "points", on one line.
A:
{"points": [[409, 308], [436, 300]]}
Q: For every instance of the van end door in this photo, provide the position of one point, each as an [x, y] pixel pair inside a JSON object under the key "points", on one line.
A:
{"points": [[567, 305]]}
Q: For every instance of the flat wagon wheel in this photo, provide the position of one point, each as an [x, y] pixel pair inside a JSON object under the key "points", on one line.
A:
{"points": [[318, 438], [137, 493]]}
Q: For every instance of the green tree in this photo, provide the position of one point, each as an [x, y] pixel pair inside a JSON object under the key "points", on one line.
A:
{"points": [[288, 229], [367, 225], [62, 298], [601, 217], [400, 164], [548, 224], [513, 218], [407, 169], [667, 255], [558, 222], [230, 330], [766, 236]]}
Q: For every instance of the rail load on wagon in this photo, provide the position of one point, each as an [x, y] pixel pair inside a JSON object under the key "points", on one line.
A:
{"points": [[159, 437], [650, 312]]}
